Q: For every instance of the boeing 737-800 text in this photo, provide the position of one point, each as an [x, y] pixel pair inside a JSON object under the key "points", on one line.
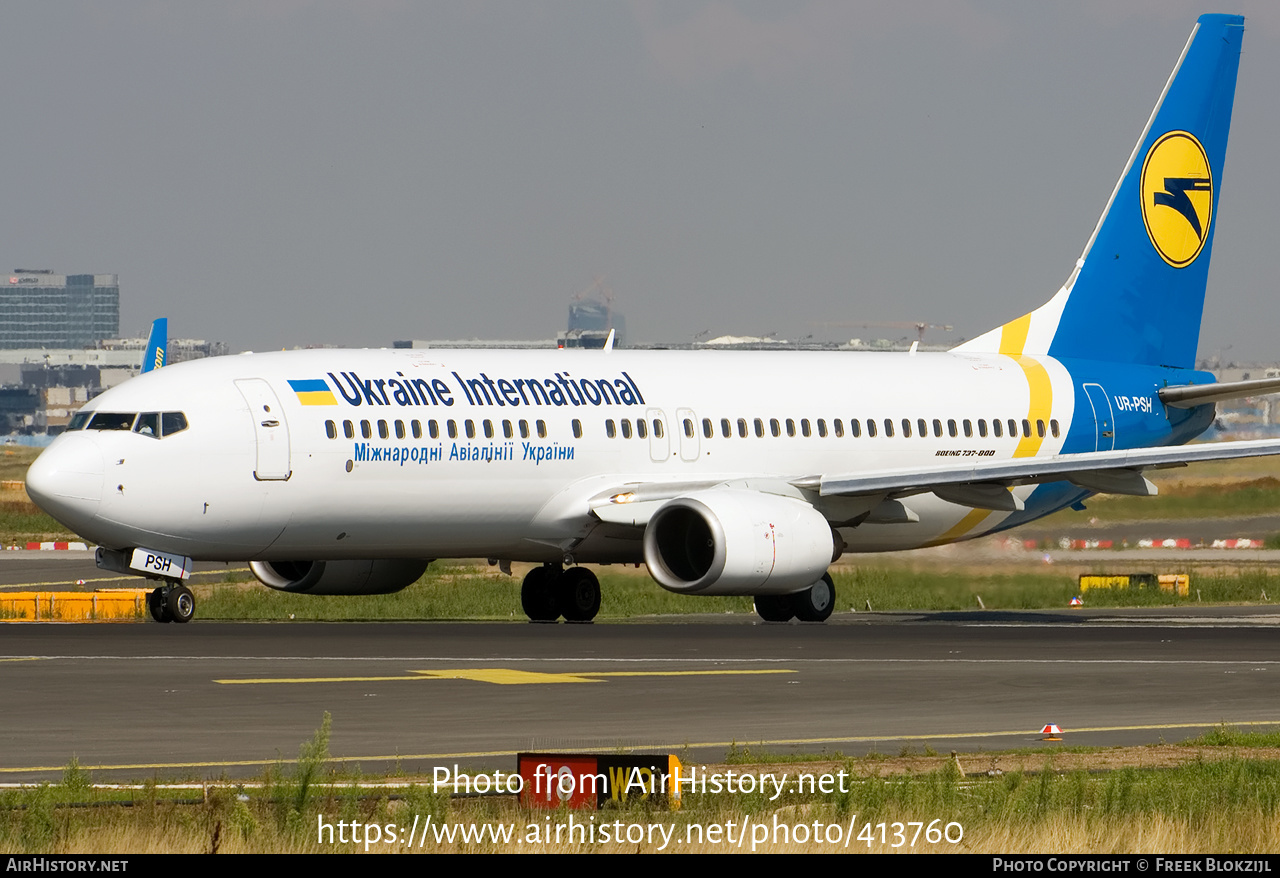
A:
{"points": [[346, 472]]}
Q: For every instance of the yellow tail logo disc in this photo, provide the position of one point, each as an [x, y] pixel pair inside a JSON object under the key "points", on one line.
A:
{"points": [[1177, 197]]}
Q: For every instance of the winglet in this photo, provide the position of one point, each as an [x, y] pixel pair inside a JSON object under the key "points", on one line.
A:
{"points": [[157, 345]]}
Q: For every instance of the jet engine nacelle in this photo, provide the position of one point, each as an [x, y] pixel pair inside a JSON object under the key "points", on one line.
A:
{"points": [[734, 541], [339, 577]]}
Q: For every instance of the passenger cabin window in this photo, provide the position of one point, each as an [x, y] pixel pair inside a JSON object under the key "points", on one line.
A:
{"points": [[839, 427], [707, 431], [888, 428], [997, 428], [759, 425], [923, 426], [1053, 427], [366, 430], [609, 429], [906, 428], [657, 428], [642, 429], [968, 428], [453, 428], [433, 429], [822, 428], [791, 427], [349, 429], [577, 429], [687, 425], [626, 429], [471, 428], [383, 432], [331, 429], [416, 428], [982, 427], [524, 429], [488, 428], [871, 429], [542, 429], [742, 428], [726, 429]]}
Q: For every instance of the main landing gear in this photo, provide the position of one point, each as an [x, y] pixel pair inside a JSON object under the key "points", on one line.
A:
{"points": [[548, 593], [814, 604], [171, 603]]}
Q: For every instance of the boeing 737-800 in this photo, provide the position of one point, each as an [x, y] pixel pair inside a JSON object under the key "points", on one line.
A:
{"points": [[346, 472]]}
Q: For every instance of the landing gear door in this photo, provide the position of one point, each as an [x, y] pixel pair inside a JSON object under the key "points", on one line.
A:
{"points": [[1103, 418], [269, 428]]}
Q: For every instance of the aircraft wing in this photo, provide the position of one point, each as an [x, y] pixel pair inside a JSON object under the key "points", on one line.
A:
{"points": [[980, 484], [1102, 471]]}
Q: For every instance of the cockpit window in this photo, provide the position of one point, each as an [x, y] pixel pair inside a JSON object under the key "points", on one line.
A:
{"points": [[112, 421], [148, 424], [173, 422], [153, 424]]}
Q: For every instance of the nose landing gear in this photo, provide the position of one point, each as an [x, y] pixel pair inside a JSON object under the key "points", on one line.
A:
{"points": [[171, 603]]}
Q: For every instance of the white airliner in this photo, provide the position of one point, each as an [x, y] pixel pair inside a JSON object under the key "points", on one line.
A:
{"points": [[345, 472]]}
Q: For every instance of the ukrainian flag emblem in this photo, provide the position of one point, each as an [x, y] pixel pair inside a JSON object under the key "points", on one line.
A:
{"points": [[313, 391]]}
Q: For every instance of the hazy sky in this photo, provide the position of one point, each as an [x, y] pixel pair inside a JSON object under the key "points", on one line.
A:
{"points": [[275, 173]]}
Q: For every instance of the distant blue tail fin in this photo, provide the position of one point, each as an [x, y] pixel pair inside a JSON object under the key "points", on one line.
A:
{"points": [[157, 345], [1136, 294]]}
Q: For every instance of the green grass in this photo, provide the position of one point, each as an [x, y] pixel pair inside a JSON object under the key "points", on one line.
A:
{"points": [[1176, 501], [449, 592], [21, 521], [1210, 804], [476, 592]]}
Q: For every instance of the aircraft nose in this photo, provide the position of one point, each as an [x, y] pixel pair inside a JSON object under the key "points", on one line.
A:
{"points": [[66, 480]]}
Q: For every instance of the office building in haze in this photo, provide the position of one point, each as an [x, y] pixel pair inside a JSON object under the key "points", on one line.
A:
{"points": [[40, 309]]}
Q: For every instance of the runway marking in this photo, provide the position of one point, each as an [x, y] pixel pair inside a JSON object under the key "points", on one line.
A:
{"points": [[502, 676], [667, 746]]}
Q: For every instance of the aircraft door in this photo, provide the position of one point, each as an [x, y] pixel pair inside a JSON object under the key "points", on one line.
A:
{"points": [[270, 429], [687, 427], [1103, 418], [659, 439]]}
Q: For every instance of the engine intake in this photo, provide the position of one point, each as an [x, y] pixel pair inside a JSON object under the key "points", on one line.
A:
{"points": [[735, 541]]}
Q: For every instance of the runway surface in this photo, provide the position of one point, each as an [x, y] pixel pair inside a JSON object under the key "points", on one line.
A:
{"points": [[208, 699]]}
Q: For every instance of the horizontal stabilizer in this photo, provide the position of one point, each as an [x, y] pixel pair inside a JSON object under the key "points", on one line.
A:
{"points": [[1188, 396]]}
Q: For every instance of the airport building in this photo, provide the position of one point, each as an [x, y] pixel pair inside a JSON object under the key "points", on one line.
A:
{"points": [[40, 309]]}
